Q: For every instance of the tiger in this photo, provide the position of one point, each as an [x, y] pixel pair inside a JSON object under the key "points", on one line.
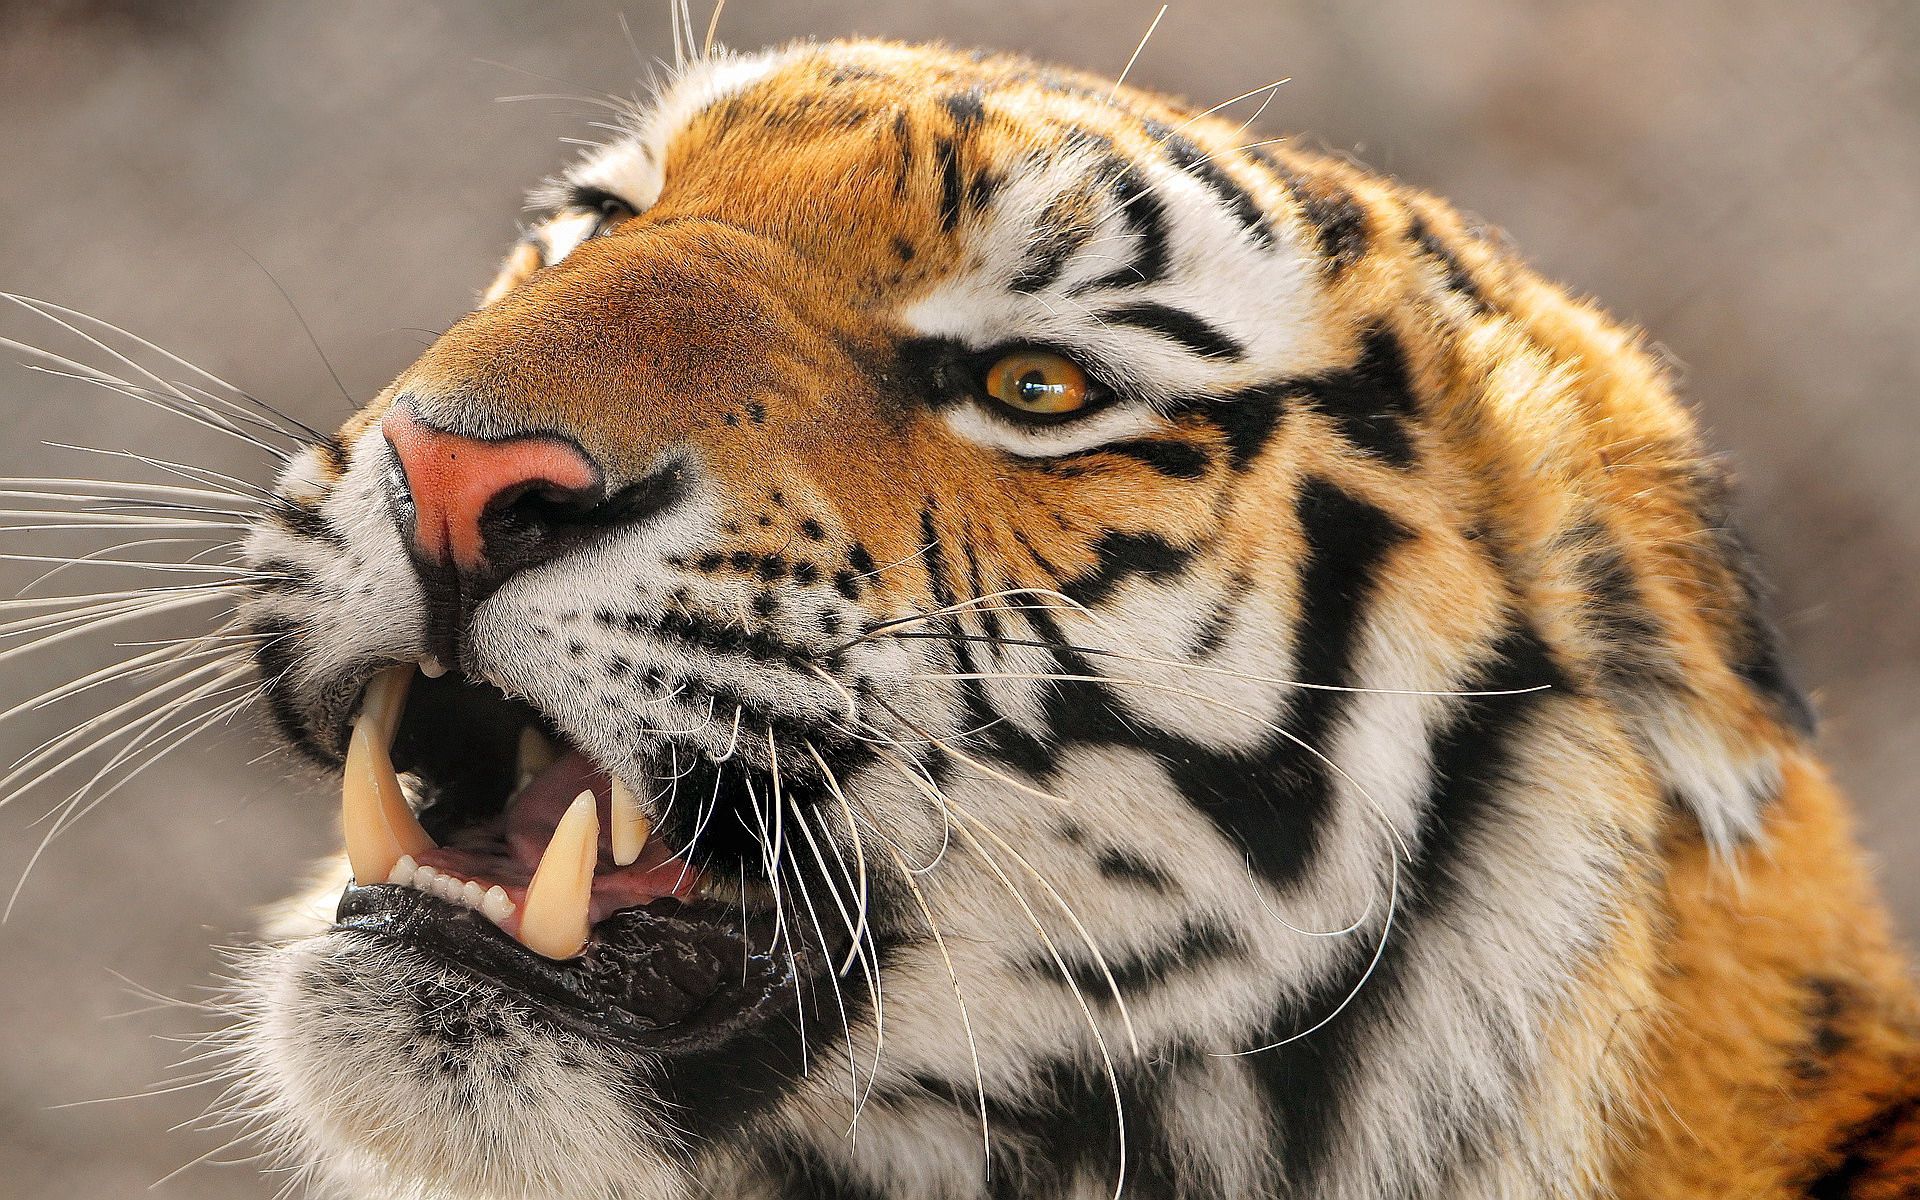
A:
{"points": [[884, 485]]}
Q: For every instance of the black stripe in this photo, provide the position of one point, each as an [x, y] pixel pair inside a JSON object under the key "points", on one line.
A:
{"points": [[1757, 654], [1458, 278], [334, 452], [1308, 1082], [1051, 249], [304, 521], [800, 1172], [1372, 401], [1871, 1158], [1124, 866], [1635, 650], [951, 188], [1120, 556], [1196, 944], [1061, 1130], [1245, 211], [1146, 216], [1273, 801], [966, 108], [903, 134], [276, 654], [1246, 419], [1170, 457], [1176, 324], [1338, 221]]}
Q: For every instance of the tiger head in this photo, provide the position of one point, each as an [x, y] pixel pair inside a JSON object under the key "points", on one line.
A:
{"points": [[950, 628]]}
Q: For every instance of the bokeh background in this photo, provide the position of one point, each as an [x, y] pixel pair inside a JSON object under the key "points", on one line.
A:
{"points": [[1740, 176]]}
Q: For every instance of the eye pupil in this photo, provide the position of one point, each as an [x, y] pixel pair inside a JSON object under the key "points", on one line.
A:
{"points": [[1035, 389], [1038, 384]]}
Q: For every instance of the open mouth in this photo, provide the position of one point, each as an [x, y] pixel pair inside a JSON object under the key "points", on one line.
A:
{"points": [[533, 867]]}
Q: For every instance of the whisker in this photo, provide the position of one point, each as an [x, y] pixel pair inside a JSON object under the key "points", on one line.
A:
{"points": [[267, 411]]}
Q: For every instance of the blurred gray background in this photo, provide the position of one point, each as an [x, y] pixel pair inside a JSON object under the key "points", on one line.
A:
{"points": [[1743, 178]]}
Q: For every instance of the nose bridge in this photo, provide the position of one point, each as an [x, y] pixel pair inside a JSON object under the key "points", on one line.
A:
{"points": [[632, 341], [453, 481]]}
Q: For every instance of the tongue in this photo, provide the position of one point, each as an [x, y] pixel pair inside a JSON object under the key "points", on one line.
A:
{"points": [[531, 818]]}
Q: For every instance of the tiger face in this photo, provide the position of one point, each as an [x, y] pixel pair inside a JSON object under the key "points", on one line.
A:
{"points": [[949, 629]]}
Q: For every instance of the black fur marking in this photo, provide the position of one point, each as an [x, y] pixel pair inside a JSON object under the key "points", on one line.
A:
{"points": [[966, 108], [334, 452], [1826, 1003], [1634, 655], [1124, 866], [1338, 222], [306, 522], [1372, 401], [1192, 160], [1246, 419], [1170, 457], [1307, 1081], [1863, 1152], [903, 134], [1061, 1135], [1178, 325], [277, 654], [1757, 655], [1118, 557], [1196, 944], [952, 188], [1146, 216], [1273, 801], [1056, 238], [1458, 278], [802, 1172]]}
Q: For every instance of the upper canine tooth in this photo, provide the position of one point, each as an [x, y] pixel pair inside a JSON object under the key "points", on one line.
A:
{"points": [[380, 826], [630, 826], [553, 917], [534, 755]]}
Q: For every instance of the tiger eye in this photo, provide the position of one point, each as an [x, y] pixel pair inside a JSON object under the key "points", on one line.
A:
{"points": [[1038, 383]]}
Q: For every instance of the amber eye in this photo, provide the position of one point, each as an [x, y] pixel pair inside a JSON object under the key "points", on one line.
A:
{"points": [[1038, 384]]}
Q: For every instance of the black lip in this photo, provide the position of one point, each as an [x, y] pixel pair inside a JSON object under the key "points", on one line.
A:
{"points": [[671, 977]]}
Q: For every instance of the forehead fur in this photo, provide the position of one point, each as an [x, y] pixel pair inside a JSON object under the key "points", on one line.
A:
{"points": [[984, 199]]}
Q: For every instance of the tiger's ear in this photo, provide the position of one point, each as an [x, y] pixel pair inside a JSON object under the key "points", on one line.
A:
{"points": [[522, 261]]}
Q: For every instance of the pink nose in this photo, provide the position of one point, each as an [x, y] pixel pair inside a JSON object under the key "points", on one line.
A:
{"points": [[456, 482]]}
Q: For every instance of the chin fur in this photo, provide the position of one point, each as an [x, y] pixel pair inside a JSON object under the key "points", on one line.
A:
{"points": [[373, 1071]]}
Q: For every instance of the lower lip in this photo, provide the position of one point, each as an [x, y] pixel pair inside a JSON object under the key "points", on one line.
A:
{"points": [[633, 982]]}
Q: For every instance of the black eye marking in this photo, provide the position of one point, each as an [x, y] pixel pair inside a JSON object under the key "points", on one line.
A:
{"points": [[609, 208]]}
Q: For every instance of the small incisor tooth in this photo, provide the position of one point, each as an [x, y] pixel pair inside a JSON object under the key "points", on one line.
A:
{"points": [[380, 826], [630, 826], [495, 905], [553, 917]]}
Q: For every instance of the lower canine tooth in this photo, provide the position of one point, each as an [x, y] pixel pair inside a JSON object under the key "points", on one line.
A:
{"points": [[380, 827], [553, 917], [630, 828]]}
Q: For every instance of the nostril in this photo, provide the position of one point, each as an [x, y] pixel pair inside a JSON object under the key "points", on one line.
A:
{"points": [[542, 520]]}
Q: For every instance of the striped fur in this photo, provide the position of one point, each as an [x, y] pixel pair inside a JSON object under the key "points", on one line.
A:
{"points": [[1375, 776]]}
